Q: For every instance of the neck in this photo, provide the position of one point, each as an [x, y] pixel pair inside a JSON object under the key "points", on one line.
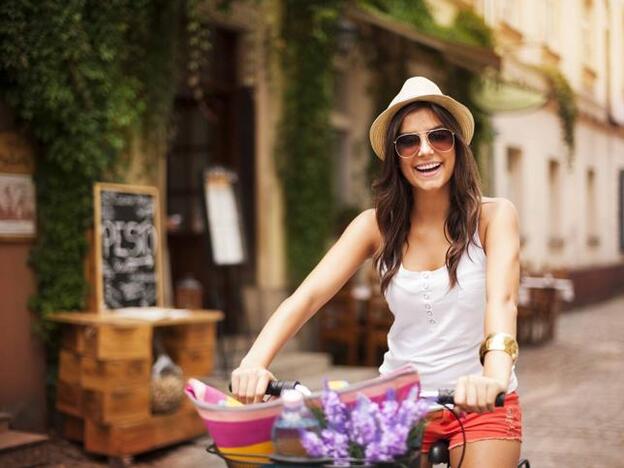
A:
{"points": [[431, 206]]}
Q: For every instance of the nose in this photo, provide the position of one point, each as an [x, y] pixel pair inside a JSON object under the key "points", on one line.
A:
{"points": [[425, 148]]}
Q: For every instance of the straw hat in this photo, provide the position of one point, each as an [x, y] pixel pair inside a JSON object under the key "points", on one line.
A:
{"points": [[419, 88]]}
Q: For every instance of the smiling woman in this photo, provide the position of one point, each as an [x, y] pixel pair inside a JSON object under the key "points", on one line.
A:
{"points": [[428, 236]]}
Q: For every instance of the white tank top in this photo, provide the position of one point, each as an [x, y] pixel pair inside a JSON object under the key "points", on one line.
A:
{"points": [[437, 329]]}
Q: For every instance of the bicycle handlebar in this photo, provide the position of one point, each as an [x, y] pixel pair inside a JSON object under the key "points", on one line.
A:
{"points": [[444, 396], [275, 387], [447, 397]]}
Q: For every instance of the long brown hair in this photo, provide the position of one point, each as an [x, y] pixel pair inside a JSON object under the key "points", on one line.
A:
{"points": [[394, 200]]}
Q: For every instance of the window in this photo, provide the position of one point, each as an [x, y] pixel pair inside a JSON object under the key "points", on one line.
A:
{"points": [[514, 174], [489, 11], [591, 209], [551, 23], [554, 205], [587, 29], [510, 13]]}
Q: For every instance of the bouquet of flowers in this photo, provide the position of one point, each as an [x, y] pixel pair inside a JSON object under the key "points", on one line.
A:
{"points": [[367, 431]]}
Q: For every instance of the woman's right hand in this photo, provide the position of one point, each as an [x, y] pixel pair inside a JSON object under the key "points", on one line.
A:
{"points": [[249, 383]]}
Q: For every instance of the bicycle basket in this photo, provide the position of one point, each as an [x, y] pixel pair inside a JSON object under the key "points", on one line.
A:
{"points": [[244, 432]]}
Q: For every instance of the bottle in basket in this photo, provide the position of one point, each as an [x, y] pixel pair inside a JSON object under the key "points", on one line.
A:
{"points": [[288, 427]]}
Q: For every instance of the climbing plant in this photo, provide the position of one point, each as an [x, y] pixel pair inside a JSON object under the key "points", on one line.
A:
{"points": [[308, 31], [82, 76], [567, 109]]}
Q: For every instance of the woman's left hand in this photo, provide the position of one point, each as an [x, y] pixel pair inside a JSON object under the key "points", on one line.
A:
{"points": [[477, 393]]}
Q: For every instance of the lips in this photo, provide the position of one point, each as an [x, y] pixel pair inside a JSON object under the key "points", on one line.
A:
{"points": [[428, 167]]}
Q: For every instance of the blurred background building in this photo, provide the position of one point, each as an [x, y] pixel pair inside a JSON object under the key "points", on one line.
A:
{"points": [[529, 70]]}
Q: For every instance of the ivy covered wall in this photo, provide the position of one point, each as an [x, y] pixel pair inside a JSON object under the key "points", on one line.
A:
{"points": [[82, 77]]}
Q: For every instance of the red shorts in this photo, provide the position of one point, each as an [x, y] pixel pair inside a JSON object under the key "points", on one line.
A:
{"points": [[502, 423]]}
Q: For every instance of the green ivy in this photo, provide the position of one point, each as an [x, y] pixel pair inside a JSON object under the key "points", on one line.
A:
{"points": [[567, 108], [308, 32], [82, 76]]}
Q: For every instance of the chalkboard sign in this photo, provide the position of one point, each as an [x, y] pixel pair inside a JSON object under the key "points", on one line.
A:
{"points": [[127, 235]]}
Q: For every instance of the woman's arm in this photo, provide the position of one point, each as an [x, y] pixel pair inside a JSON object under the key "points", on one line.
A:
{"points": [[502, 246], [358, 242], [502, 282]]}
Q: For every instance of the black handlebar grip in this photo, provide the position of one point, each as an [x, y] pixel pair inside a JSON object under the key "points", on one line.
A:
{"points": [[275, 387], [447, 397]]}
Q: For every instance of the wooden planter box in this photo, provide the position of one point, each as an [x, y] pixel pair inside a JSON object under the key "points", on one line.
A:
{"points": [[105, 375], [98, 374], [195, 362], [126, 404], [141, 436]]}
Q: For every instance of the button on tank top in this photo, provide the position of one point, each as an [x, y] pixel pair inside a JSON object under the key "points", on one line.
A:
{"points": [[436, 328]]}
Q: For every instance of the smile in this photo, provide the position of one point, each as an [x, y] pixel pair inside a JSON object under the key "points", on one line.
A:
{"points": [[428, 167]]}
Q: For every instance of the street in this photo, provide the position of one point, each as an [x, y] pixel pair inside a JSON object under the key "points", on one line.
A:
{"points": [[570, 390]]}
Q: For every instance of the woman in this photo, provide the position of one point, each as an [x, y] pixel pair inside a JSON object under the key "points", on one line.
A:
{"points": [[448, 262]]}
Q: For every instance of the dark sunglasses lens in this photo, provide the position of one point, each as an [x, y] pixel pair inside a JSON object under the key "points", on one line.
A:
{"points": [[442, 139], [407, 145]]}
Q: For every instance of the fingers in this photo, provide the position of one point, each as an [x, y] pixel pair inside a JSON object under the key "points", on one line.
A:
{"points": [[249, 384], [261, 387], [476, 394]]}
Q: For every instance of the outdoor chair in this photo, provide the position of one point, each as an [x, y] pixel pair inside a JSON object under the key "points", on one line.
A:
{"points": [[378, 322], [339, 324]]}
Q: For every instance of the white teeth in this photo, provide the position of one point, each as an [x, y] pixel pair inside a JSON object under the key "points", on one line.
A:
{"points": [[427, 166]]}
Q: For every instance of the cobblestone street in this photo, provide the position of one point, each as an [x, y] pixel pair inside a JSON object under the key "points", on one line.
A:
{"points": [[570, 389]]}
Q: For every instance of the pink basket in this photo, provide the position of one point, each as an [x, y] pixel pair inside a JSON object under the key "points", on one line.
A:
{"points": [[240, 430]]}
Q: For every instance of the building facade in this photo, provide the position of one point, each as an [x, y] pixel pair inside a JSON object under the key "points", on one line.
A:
{"points": [[570, 204]]}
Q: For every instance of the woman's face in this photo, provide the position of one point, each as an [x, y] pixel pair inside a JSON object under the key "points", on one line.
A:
{"points": [[428, 169]]}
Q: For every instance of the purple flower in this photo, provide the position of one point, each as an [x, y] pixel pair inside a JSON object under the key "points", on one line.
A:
{"points": [[389, 407], [312, 444], [365, 421], [335, 410], [336, 443], [380, 430]]}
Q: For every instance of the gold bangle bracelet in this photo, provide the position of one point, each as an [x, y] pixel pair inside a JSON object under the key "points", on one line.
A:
{"points": [[499, 342]]}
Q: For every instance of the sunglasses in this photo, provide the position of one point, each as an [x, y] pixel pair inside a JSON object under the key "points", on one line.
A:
{"points": [[408, 144]]}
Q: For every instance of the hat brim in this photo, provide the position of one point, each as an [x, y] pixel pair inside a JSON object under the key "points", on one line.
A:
{"points": [[461, 113]]}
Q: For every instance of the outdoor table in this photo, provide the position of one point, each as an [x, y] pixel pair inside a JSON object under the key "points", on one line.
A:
{"points": [[104, 378], [539, 300]]}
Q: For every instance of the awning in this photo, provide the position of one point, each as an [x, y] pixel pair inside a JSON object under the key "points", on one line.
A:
{"points": [[465, 56]]}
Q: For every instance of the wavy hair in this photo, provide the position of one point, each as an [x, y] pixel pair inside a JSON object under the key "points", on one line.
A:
{"points": [[394, 200]]}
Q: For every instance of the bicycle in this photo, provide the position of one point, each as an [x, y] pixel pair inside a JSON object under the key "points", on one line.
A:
{"points": [[439, 452]]}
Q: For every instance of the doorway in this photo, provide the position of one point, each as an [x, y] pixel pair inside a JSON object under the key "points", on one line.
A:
{"points": [[218, 131]]}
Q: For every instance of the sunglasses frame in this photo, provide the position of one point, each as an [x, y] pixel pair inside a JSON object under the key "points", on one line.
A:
{"points": [[426, 135]]}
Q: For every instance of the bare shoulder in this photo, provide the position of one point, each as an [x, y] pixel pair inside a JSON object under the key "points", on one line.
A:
{"points": [[365, 227], [499, 211]]}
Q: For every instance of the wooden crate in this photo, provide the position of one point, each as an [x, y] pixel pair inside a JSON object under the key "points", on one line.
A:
{"points": [[72, 339], [69, 398], [120, 405], [141, 436], [190, 336], [108, 341], [97, 374], [69, 367], [195, 362], [73, 428]]}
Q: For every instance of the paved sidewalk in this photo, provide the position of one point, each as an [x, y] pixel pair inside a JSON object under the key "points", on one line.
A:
{"points": [[571, 392]]}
